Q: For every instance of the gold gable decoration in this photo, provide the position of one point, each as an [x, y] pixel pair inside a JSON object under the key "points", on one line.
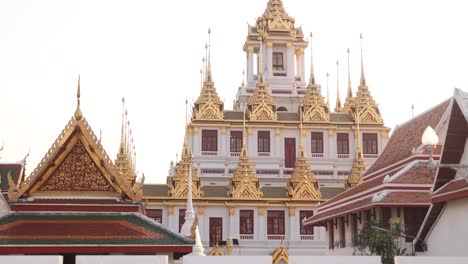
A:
{"points": [[76, 135], [275, 19], [178, 187], [280, 255], [245, 183], [359, 167], [261, 105], [313, 105], [123, 162], [216, 251]]}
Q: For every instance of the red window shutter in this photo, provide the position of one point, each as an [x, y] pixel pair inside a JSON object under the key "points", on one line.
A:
{"points": [[209, 140], [342, 140], [246, 223], [275, 222], [263, 141], [369, 143], [236, 141], [317, 142]]}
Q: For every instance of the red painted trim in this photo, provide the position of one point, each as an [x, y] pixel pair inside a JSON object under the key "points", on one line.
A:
{"points": [[93, 250], [451, 196], [79, 208], [347, 199]]}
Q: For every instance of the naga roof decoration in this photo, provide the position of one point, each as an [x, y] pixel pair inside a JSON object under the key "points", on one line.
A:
{"points": [[245, 183], [364, 106], [303, 184], [123, 161], [178, 186], [75, 165], [275, 19], [313, 104], [208, 105]]}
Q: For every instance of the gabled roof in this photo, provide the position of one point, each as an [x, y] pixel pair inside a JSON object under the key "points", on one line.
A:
{"points": [[33, 229], [406, 137]]}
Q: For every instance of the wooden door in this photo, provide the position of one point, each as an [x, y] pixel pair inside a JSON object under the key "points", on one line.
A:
{"points": [[216, 230], [289, 152]]}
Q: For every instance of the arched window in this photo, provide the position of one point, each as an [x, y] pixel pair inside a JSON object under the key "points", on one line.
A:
{"points": [[282, 108]]}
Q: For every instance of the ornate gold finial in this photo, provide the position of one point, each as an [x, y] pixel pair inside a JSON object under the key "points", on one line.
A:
{"points": [[350, 90], [338, 99], [78, 114], [364, 103], [276, 20], [358, 168], [313, 104], [208, 105], [363, 78], [312, 76], [328, 92], [124, 161]]}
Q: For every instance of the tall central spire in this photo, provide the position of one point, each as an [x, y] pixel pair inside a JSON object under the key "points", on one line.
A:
{"points": [[350, 90], [78, 114], [363, 78], [338, 99], [312, 76]]}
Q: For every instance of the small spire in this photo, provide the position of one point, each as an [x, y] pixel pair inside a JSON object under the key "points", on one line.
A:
{"points": [[201, 78], [122, 138], [338, 99], [78, 114], [301, 141], [204, 66], [363, 79], [350, 90], [208, 67], [312, 76], [260, 58], [243, 78], [186, 111]]}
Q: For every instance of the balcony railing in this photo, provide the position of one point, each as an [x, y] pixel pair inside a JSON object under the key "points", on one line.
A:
{"points": [[209, 153], [307, 237], [371, 156], [343, 156], [264, 154], [275, 237], [317, 155], [235, 154], [246, 237]]}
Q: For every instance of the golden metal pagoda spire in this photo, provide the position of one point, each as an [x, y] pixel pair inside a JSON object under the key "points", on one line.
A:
{"points": [[359, 167], [123, 162], [338, 107], [328, 92], [245, 183], [364, 103], [313, 104], [78, 114], [262, 106], [208, 105], [363, 78], [349, 96], [179, 181], [303, 184], [275, 19]]}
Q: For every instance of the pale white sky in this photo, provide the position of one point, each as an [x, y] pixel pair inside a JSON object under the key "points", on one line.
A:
{"points": [[415, 52]]}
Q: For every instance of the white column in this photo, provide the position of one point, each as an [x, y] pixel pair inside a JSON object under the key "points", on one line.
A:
{"points": [[331, 144], [268, 62], [290, 62], [293, 226], [232, 223], [223, 146], [171, 220], [195, 144], [278, 144], [261, 232], [249, 66], [303, 80]]}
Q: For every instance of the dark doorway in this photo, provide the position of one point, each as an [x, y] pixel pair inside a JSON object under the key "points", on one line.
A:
{"points": [[216, 230], [289, 152]]}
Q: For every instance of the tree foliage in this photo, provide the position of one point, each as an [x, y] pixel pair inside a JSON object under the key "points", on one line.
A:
{"points": [[374, 239]]}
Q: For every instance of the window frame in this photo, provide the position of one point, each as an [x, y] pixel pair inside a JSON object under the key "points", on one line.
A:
{"points": [[277, 61], [155, 213], [317, 146], [246, 222], [263, 141], [341, 147], [209, 140], [370, 143], [309, 230], [276, 222], [235, 141]]}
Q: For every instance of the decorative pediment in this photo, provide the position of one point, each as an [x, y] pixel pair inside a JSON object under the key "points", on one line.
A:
{"points": [[275, 18], [261, 105], [209, 111], [281, 255]]}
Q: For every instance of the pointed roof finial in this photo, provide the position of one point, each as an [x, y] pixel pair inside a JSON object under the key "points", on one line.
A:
{"points": [[122, 138], [363, 79], [312, 76], [338, 99], [350, 90], [208, 58], [243, 78], [78, 114]]}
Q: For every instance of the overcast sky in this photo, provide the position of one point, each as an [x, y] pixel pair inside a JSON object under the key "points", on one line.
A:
{"points": [[415, 52]]}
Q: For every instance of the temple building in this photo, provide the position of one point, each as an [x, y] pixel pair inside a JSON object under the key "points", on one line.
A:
{"points": [[261, 168], [77, 201], [418, 185]]}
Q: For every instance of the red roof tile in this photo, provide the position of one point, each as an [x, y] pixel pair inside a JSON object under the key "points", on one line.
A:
{"points": [[406, 137]]}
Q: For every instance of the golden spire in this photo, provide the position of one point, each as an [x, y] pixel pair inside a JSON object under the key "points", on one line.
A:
{"points": [[78, 114], [328, 93], [122, 137], [363, 78], [245, 183], [338, 99], [364, 103], [262, 106], [303, 184], [312, 76], [313, 104], [179, 182], [350, 90], [358, 168], [124, 161], [208, 105]]}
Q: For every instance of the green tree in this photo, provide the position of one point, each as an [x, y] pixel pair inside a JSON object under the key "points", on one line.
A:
{"points": [[374, 239]]}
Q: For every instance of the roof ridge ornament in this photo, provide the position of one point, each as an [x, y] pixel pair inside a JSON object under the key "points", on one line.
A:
{"points": [[78, 115]]}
